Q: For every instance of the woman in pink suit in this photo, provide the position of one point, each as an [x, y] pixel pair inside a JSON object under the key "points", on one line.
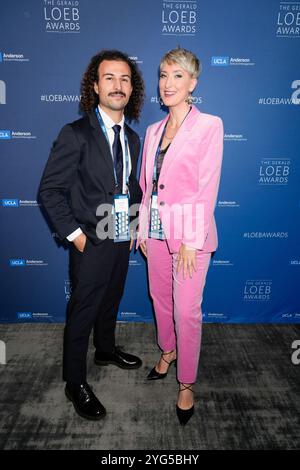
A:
{"points": [[180, 177]]}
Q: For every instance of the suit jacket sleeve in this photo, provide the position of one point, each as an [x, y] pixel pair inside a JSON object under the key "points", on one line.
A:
{"points": [[58, 177], [208, 185], [135, 190]]}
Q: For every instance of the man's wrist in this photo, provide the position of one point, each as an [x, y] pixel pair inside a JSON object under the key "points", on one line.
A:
{"points": [[74, 234]]}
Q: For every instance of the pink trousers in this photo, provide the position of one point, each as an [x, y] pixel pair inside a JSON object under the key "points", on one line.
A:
{"points": [[177, 304]]}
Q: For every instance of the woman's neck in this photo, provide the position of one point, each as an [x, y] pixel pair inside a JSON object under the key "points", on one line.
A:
{"points": [[177, 115]]}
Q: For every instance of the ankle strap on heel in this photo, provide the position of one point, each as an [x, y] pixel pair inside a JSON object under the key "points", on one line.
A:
{"points": [[165, 354], [185, 387]]}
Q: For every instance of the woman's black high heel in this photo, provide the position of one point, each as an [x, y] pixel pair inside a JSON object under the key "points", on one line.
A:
{"points": [[184, 415], [154, 375]]}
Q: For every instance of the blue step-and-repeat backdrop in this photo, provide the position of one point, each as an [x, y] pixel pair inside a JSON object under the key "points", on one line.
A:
{"points": [[250, 52]]}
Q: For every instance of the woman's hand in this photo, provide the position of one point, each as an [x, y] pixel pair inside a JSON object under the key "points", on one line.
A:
{"points": [[186, 260], [143, 248], [131, 243]]}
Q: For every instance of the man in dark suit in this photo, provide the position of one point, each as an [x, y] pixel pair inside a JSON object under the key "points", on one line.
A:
{"points": [[93, 163]]}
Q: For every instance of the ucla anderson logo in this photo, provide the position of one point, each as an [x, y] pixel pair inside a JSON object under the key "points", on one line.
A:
{"points": [[220, 61], [10, 202], [5, 134], [17, 262], [24, 315]]}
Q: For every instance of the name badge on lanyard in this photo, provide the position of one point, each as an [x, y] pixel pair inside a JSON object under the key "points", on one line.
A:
{"points": [[155, 229], [120, 209], [121, 218]]}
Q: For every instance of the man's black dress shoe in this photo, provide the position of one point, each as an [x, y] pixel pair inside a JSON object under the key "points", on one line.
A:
{"points": [[85, 402], [118, 358]]}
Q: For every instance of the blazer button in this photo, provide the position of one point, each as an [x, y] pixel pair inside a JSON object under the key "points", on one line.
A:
{"points": [[162, 203], [161, 186]]}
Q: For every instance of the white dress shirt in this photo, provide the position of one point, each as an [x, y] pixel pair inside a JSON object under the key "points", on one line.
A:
{"points": [[109, 123]]}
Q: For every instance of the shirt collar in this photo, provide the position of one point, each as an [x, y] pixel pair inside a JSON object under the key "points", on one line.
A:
{"points": [[108, 122]]}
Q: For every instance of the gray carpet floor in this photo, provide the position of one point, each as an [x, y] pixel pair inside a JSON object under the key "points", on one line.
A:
{"points": [[247, 393]]}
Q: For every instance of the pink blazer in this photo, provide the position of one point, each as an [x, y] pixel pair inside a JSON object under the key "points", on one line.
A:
{"points": [[188, 182]]}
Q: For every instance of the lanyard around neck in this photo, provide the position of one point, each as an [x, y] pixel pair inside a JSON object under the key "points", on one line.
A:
{"points": [[102, 125], [158, 150]]}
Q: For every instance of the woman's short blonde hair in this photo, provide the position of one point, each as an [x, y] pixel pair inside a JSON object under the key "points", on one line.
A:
{"points": [[186, 59]]}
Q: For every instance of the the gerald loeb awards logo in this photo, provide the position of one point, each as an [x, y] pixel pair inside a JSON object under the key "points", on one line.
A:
{"points": [[258, 290], [61, 16], [274, 171], [179, 18], [288, 20]]}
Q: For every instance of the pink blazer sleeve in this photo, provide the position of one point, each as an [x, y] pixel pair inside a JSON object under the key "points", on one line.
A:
{"points": [[143, 165], [208, 184], [143, 184]]}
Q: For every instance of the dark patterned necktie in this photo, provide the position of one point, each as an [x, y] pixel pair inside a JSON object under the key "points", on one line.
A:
{"points": [[118, 157]]}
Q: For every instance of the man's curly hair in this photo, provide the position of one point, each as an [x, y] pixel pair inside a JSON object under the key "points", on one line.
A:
{"points": [[90, 99]]}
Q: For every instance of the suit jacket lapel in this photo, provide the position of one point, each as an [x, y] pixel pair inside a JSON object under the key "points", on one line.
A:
{"points": [[101, 141]]}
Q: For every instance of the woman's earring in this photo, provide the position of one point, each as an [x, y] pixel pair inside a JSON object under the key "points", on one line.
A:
{"points": [[160, 101], [189, 99]]}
